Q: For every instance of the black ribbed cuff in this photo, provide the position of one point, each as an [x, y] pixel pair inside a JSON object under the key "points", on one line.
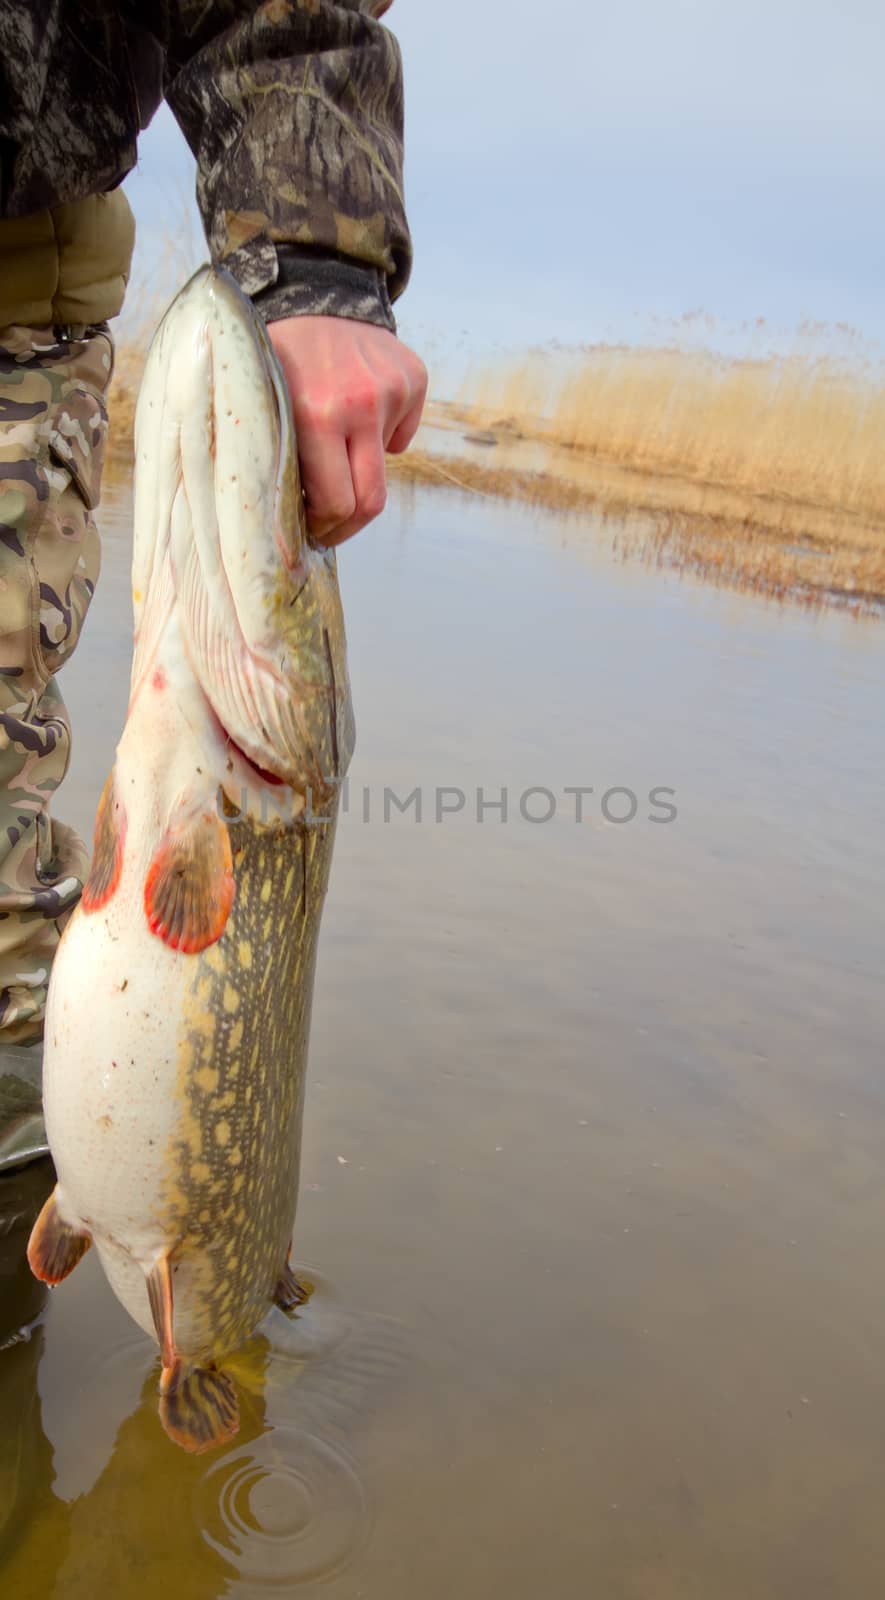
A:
{"points": [[312, 283]]}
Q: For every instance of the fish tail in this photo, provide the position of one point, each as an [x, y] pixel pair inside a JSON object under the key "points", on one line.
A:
{"points": [[198, 1406]]}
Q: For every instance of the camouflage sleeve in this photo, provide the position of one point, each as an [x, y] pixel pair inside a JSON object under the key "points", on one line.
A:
{"points": [[294, 112]]}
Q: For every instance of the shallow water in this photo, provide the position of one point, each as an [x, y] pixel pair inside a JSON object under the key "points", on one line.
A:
{"points": [[594, 1182]]}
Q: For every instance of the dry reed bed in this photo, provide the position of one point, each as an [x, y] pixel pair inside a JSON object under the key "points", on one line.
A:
{"points": [[128, 367], [808, 430], [762, 475]]}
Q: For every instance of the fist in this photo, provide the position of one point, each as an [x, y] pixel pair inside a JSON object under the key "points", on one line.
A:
{"points": [[356, 392]]}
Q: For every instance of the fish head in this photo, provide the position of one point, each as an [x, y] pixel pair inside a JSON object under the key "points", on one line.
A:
{"points": [[221, 534]]}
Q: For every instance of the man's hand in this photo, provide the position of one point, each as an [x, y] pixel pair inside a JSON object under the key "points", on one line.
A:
{"points": [[356, 392]]}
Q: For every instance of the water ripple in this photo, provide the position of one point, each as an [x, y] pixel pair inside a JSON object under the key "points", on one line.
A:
{"points": [[285, 1510], [316, 1330]]}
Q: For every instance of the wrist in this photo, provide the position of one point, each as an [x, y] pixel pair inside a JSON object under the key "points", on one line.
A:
{"points": [[318, 283]]}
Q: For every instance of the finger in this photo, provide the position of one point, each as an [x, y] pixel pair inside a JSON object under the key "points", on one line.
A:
{"points": [[407, 417], [369, 481], [400, 383], [406, 428], [326, 480]]}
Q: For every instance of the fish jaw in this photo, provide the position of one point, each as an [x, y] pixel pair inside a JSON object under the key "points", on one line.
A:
{"points": [[218, 501]]}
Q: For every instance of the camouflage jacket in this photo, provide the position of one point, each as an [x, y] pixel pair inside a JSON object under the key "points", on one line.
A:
{"points": [[293, 109]]}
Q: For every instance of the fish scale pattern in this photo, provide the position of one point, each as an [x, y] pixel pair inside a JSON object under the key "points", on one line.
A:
{"points": [[233, 1165]]}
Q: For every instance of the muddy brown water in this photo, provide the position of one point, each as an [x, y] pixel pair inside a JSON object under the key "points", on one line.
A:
{"points": [[594, 1184]]}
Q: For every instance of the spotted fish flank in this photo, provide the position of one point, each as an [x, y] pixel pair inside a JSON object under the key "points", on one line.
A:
{"points": [[224, 1168], [175, 1118]]}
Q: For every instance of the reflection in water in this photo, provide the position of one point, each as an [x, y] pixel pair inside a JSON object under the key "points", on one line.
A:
{"points": [[595, 1129], [131, 1533], [797, 554], [131, 1517], [24, 1452], [285, 1506]]}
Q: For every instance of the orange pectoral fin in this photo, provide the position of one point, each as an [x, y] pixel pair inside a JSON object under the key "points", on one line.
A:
{"points": [[189, 889], [55, 1247], [107, 853]]}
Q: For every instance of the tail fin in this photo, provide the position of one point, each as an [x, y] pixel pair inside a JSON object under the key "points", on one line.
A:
{"points": [[198, 1407]]}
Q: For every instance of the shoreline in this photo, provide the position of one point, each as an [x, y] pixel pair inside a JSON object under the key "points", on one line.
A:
{"points": [[746, 543]]}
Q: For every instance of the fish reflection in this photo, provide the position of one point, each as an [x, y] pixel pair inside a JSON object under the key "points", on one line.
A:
{"points": [[134, 1530], [284, 1506]]}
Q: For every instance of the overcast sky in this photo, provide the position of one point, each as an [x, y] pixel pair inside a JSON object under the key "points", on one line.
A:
{"points": [[578, 170]]}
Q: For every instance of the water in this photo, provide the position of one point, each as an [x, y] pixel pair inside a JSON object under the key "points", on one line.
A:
{"points": [[593, 1194]]}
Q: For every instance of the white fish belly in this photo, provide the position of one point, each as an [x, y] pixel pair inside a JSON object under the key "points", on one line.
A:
{"points": [[110, 1071], [158, 1104]]}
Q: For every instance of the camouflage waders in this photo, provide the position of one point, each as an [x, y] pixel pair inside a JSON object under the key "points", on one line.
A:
{"points": [[53, 425]]}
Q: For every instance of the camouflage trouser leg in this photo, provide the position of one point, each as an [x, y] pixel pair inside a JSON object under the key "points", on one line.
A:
{"points": [[53, 425]]}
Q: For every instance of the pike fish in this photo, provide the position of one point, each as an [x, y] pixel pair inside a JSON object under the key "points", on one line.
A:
{"points": [[179, 1007]]}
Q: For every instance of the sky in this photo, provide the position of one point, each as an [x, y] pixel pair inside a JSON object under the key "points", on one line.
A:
{"points": [[580, 171]]}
